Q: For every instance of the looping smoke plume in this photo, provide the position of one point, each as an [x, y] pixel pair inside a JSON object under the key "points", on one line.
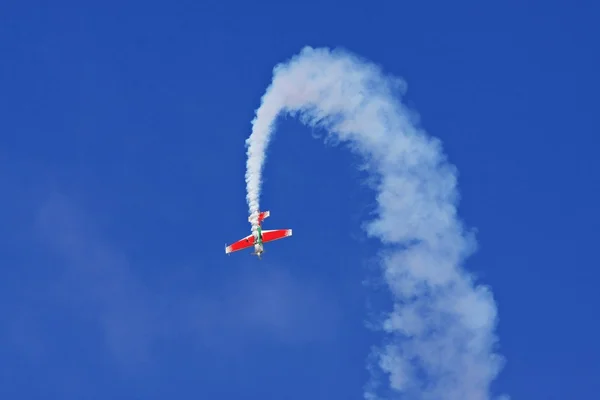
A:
{"points": [[440, 333]]}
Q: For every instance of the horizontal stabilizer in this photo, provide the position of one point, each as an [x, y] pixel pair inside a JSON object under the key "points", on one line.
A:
{"points": [[261, 216]]}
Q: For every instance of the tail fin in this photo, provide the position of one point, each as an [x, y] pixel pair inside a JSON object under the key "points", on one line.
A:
{"points": [[261, 216]]}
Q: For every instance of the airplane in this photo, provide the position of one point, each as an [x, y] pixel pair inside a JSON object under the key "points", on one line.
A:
{"points": [[257, 240]]}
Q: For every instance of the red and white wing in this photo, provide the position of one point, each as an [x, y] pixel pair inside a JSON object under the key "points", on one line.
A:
{"points": [[241, 244], [276, 234]]}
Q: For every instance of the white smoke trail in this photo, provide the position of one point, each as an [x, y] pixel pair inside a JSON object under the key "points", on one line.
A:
{"points": [[440, 342]]}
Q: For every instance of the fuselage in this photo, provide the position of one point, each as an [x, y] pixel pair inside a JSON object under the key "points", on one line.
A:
{"points": [[258, 242]]}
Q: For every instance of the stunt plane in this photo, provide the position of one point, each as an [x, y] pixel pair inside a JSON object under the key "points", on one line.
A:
{"points": [[259, 238]]}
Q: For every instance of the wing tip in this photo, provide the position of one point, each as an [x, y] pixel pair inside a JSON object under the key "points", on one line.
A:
{"points": [[288, 232]]}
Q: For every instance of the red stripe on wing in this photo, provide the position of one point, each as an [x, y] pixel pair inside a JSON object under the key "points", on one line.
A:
{"points": [[241, 244], [269, 236]]}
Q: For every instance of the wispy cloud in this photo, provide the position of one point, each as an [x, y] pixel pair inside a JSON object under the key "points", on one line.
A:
{"points": [[96, 283], [267, 304], [91, 288]]}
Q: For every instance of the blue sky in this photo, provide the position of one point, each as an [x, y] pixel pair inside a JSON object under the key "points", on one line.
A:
{"points": [[122, 171]]}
